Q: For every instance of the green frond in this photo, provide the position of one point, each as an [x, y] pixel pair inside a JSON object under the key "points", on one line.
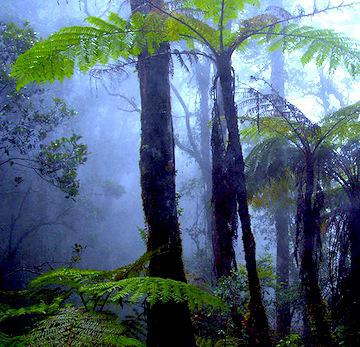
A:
{"points": [[75, 278], [68, 277], [75, 327], [177, 31], [155, 290], [342, 125], [9, 341], [321, 45], [55, 58], [37, 309], [85, 46], [211, 9]]}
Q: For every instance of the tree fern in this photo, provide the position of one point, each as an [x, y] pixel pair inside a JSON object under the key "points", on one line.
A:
{"points": [[275, 117], [56, 57]]}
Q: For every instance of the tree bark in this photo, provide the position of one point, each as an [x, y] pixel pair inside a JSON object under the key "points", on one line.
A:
{"points": [[224, 204], [168, 324], [318, 332], [354, 235], [283, 313], [257, 324]]}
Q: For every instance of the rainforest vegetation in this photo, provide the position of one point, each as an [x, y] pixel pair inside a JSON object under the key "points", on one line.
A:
{"points": [[179, 173]]}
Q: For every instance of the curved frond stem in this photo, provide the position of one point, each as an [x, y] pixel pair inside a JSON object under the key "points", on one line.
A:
{"points": [[201, 37]]}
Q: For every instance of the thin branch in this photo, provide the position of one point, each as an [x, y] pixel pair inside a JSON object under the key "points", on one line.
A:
{"points": [[242, 38]]}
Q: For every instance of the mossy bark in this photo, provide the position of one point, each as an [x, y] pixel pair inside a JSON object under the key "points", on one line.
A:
{"points": [[168, 324], [258, 326], [316, 312]]}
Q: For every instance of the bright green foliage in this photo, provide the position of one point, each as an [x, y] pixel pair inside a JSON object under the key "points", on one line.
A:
{"points": [[342, 125], [86, 46], [76, 278], [121, 285], [90, 325], [321, 45], [212, 9], [75, 327], [56, 57], [156, 290]]}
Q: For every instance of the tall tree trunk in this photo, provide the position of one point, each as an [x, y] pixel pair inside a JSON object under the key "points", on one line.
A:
{"points": [[168, 324], [316, 312], [354, 235], [283, 313], [258, 323], [224, 203], [203, 81]]}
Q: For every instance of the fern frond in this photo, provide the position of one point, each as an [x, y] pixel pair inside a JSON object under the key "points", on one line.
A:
{"points": [[211, 9], [320, 45], [69, 277], [71, 326], [9, 341], [342, 125], [85, 46], [75, 278], [37, 309], [155, 290]]}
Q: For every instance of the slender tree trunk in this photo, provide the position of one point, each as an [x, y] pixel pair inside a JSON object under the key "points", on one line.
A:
{"points": [[168, 324], [203, 81], [316, 312], [258, 323], [283, 314], [354, 234]]}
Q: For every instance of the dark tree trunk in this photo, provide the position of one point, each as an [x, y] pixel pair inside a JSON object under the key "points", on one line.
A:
{"points": [[224, 204], [168, 324], [354, 235], [318, 332], [257, 323], [283, 313]]}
